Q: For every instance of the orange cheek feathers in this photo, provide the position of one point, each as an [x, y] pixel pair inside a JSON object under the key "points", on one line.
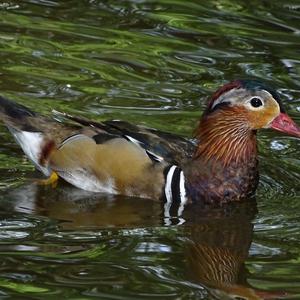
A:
{"points": [[261, 119]]}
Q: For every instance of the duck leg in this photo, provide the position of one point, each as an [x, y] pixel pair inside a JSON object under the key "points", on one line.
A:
{"points": [[51, 180]]}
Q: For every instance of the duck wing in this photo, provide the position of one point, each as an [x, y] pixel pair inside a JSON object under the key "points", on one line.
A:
{"points": [[159, 145], [112, 156]]}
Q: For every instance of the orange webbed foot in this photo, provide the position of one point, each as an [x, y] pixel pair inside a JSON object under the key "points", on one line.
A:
{"points": [[52, 180]]}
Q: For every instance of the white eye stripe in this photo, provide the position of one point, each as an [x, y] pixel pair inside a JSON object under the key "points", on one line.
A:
{"points": [[226, 97], [242, 97]]}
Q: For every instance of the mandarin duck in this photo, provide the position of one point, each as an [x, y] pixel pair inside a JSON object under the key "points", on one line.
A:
{"points": [[218, 166]]}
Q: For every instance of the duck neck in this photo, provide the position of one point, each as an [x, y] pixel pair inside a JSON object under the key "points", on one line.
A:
{"points": [[227, 141], [224, 165]]}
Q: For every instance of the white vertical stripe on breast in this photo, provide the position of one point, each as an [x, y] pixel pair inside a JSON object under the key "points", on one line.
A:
{"points": [[168, 185], [183, 198], [167, 215]]}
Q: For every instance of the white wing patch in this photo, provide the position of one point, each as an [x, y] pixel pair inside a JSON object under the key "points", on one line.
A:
{"points": [[151, 154], [31, 143], [133, 140], [154, 156], [72, 138], [83, 179]]}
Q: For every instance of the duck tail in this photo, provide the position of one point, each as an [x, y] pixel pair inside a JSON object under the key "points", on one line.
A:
{"points": [[23, 124], [16, 115]]}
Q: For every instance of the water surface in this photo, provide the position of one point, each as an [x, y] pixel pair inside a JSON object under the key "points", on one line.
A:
{"points": [[153, 63]]}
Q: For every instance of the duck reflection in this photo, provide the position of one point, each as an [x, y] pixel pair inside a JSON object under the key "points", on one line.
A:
{"points": [[217, 240], [75, 208], [216, 250]]}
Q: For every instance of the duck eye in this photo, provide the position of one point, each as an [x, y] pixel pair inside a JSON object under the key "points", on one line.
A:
{"points": [[256, 102]]}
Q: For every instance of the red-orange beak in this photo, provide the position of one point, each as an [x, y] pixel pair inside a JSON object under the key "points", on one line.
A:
{"points": [[285, 124]]}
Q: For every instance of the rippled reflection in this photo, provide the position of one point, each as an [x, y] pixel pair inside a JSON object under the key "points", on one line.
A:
{"points": [[93, 230], [218, 246]]}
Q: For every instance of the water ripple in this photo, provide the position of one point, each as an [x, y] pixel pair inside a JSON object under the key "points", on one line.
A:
{"points": [[155, 63]]}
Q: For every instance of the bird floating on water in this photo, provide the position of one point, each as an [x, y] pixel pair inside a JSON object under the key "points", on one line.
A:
{"points": [[116, 157]]}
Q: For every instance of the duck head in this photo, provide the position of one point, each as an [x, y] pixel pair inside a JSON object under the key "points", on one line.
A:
{"points": [[233, 115], [259, 104]]}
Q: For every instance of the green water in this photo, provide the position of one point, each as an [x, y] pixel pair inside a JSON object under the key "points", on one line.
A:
{"points": [[153, 63]]}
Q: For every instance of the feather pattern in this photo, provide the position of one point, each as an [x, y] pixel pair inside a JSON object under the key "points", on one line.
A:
{"points": [[229, 132], [226, 158], [219, 166]]}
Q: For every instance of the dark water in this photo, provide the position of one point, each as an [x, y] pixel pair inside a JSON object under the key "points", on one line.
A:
{"points": [[155, 63]]}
